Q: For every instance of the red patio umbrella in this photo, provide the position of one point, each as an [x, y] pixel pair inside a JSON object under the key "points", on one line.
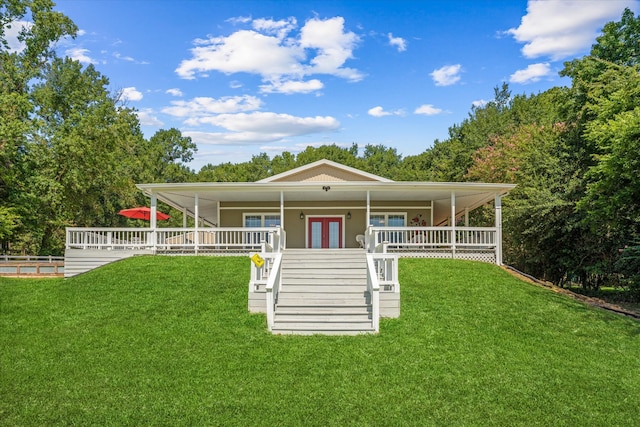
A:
{"points": [[142, 212]]}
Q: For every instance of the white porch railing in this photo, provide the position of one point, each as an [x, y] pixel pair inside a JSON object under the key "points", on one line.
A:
{"points": [[382, 276], [432, 239], [223, 239]]}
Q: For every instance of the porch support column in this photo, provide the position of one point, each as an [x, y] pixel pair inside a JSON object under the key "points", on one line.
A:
{"points": [[453, 224], [466, 217], [154, 209], [498, 214], [184, 217], [368, 209], [197, 218], [153, 221], [282, 210], [281, 236]]}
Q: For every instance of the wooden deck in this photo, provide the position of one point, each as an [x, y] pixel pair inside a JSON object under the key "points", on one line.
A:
{"points": [[31, 266]]}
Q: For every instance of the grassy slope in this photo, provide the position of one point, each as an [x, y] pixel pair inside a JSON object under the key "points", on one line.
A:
{"points": [[156, 340]]}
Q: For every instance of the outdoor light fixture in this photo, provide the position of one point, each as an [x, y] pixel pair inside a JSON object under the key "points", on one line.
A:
{"points": [[349, 215], [326, 188], [301, 215]]}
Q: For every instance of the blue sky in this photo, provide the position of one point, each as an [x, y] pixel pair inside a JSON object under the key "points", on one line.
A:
{"points": [[243, 77]]}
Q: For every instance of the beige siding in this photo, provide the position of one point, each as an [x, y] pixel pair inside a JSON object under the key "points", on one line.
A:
{"points": [[231, 215], [324, 173]]}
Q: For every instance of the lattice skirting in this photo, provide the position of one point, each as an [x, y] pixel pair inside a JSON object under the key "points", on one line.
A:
{"points": [[488, 256], [208, 252]]}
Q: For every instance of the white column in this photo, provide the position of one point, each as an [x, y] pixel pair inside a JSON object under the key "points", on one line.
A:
{"points": [[154, 210], [197, 221], [453, 224], [498, 213], [184, 217], [432, 208], [368, 209], [466, 217], [153, 221], [282, 210]]}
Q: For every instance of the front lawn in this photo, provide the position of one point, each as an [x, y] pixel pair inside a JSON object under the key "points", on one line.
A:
{"points": [[169, 341]]}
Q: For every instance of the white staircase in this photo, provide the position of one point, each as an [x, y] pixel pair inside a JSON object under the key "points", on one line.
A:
{"points": [[323, 291]]}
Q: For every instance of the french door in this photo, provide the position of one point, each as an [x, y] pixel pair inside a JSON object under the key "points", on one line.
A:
{"points": [[325, 233]]}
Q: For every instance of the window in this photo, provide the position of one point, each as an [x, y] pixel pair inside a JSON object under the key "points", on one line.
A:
{"points": [[262, 220], [388, 219], [259, 220]]}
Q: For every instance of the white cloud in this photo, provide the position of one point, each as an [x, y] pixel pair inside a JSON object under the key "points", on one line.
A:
{"points": [[447, 75], [239, 20], [559, 28], [532, 73], [174, 92], [398, 42], [428, 110], [334, 47], [479, 103], [81, 55], [131, 94], [205, 106], [278, 28], [11, 32], [260, 127], [379, 112], [291, 86], [243, 51], [147, 118], [118, 55], [273, 51]]}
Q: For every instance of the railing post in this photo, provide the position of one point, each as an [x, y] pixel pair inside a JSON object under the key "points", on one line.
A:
{"points": [[498, 215]]}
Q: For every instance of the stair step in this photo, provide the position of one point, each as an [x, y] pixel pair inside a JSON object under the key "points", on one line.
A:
{"points": [[320, 274], [325, 309], [334, 326], [319, 301], [323, 281], [322, 317], [331, 289]]}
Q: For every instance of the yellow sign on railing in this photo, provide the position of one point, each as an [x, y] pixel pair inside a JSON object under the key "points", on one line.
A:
{"points": [[257, 260]]}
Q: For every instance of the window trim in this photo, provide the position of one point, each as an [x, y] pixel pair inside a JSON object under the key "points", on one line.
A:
{"points": [[386, 217], [262, 216]]}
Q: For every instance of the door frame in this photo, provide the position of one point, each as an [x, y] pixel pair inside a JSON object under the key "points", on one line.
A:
{"points": [[307, 231]]}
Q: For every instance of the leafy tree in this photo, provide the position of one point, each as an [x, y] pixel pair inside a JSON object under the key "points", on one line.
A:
{"points": [[346, 156], [81, 155], [381, 160], [19, 69], [283, 162], [620, 41], [166, 155]]}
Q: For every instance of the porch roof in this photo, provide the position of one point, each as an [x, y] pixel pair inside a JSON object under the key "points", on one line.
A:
{"points": [[468, 195]]}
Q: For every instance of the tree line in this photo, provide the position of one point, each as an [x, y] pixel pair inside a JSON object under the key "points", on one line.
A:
{"points": [[71, 153]]}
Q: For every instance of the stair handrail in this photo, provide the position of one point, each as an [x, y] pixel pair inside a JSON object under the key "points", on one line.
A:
{"points": [[373, 287], [273, 288]]}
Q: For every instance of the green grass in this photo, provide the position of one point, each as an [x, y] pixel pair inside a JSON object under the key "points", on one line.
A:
{"points": [[169, 341]]}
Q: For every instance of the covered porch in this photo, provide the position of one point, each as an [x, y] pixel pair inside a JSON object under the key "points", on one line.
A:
{"points": [[410, 219]]}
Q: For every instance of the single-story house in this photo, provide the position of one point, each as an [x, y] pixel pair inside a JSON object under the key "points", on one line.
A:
{"points": [[316, 215]]}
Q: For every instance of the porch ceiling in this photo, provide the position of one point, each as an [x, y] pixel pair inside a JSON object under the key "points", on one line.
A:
{"points": [[182, 195]]}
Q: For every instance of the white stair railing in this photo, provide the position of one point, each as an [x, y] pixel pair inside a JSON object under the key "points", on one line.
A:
{"points": [[274, 281], [382, 276], [373, 287]]}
